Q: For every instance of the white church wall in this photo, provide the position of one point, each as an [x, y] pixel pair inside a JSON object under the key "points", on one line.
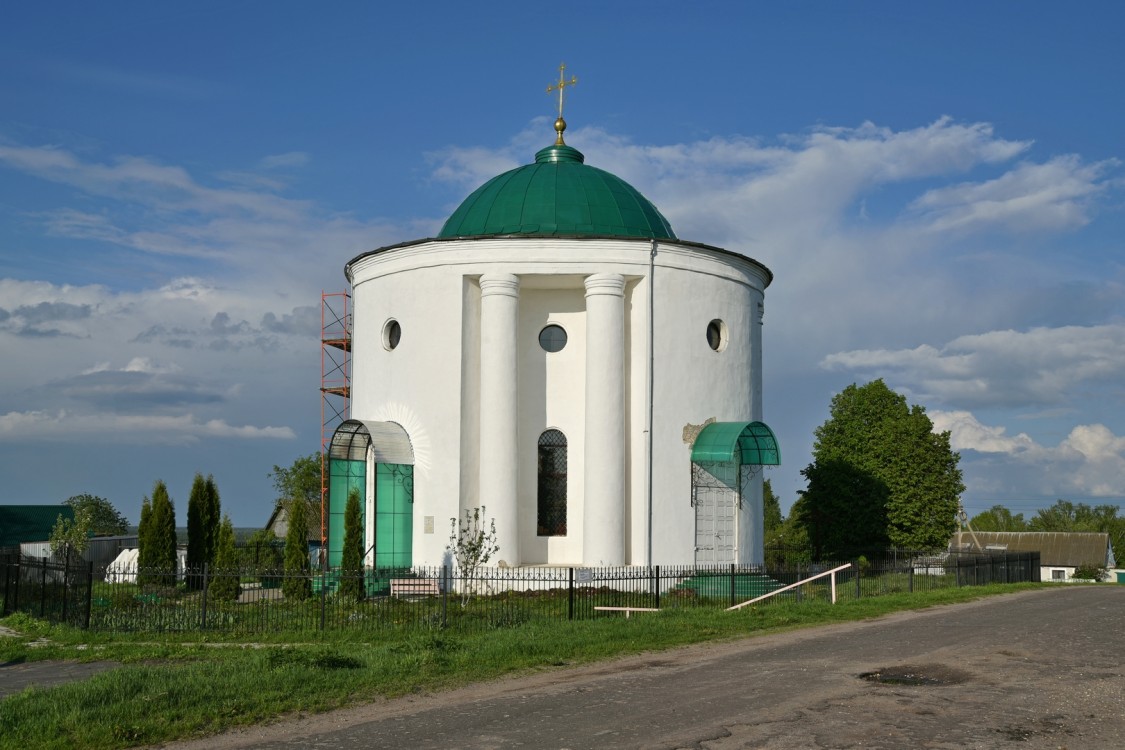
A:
{"points": [[693, 383], [431, 289], [413, 385], [552, 395]]}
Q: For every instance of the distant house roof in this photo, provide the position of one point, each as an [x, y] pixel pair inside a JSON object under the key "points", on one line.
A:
{"points": [[278, 523], [1064, 548], [29, 523]]}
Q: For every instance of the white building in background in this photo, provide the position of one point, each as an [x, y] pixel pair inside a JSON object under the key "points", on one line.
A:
{"points": [[557, 355]]}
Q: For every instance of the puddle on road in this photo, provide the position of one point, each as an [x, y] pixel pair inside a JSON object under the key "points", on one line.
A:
{"points": [[929, 675]]}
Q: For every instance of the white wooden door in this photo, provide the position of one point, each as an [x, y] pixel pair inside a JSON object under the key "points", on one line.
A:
{"points": [[715, 531]]}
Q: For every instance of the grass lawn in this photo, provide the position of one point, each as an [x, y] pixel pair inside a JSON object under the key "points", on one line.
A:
{"points": [[177, 685]]}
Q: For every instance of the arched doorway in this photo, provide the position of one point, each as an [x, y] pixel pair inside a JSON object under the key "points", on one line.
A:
{"points": [[376, 460], [724, 459]]}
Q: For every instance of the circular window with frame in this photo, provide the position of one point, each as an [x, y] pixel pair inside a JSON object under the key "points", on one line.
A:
{"points": [[717, 335], [552, 338], [392, 334]]}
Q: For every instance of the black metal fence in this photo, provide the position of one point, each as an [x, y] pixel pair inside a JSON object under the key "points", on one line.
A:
{"points": [[46, 588], [253, 599]]}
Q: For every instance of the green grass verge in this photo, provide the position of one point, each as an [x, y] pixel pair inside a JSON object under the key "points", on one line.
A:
{"points": [[176, 685]]}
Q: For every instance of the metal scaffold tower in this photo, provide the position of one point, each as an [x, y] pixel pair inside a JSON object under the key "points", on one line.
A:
{"points": [[335, 383]]}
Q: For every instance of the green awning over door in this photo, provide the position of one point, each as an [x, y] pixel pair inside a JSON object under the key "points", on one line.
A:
{"points": [[737, 442]]}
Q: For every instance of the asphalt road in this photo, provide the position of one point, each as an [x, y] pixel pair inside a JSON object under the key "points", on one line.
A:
{"points": [[1033, 670]]}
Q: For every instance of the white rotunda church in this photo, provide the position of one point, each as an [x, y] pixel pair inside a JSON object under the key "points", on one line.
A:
{"points": [[557, 355]]}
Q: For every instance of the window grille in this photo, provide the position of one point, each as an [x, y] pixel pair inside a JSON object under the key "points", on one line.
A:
{"points": [[551, 518]]}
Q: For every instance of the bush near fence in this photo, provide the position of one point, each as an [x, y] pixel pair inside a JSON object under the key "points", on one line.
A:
{"points": [[500, 597]]}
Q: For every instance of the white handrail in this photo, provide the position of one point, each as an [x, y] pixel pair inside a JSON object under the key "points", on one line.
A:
{"points": [[832, 573]]}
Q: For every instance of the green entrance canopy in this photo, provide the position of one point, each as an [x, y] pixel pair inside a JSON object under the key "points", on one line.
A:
{"points": [[737, 442]]}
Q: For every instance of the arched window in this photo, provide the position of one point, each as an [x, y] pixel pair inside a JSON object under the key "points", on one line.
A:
{"points": [[552, 484]]}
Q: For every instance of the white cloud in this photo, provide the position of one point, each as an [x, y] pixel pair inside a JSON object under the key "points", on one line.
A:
{"points": [[127, 428], [1039, 367], [1031, 197], [1089, 462], [966, 433], [288, 159]]}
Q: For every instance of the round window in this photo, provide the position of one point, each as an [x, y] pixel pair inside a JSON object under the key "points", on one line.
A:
{"points": [[552, 338], [717, 335], [392, 333]]}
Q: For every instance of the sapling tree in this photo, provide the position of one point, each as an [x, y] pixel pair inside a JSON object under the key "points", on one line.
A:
{"points": [[70, 537], [224, 584], [472, 546]]}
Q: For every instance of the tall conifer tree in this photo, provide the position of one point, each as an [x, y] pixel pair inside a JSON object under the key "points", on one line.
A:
{"points": [[297, 586], [213, 518], [197, 531], [163, 535], [351, 562], [224, 584]]}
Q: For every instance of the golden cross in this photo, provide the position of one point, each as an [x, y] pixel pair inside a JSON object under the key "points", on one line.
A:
{"points": [[561, 86]]}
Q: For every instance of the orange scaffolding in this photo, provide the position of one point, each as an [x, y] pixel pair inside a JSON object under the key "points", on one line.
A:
{"points": [[335, 384]]}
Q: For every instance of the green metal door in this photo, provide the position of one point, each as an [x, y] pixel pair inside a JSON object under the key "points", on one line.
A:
{"points": [[344, 476], [394, 515]]}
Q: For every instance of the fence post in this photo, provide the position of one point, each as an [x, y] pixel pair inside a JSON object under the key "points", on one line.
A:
{"points": [[570, 596], [89, 592], [323, 595], [19, 577], [911, 579], [658, 587], [732, 594], [43, 592], [203, 616], [858, 592], [444, 595], [65, 584]]}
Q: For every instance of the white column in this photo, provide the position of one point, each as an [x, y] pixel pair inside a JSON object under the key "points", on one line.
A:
{"points": [[603, 531], [499, 472]]}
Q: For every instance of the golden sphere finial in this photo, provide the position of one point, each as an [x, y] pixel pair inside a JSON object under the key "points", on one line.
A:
{"points": [[560, 126]]}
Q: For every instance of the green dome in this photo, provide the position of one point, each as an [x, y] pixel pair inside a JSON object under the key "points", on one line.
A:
{"points": [[558, 195]]}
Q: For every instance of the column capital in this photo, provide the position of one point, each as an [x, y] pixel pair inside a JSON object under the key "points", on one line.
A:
{"points": [[611, 284], [504, 284]]}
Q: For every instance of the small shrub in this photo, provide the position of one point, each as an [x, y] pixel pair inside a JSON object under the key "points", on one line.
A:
{"points": [[1091, 572]]}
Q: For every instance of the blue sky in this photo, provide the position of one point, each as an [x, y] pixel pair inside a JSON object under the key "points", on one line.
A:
{"points": [[937, 188]]}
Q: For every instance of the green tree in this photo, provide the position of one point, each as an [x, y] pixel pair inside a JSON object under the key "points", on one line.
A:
{"points": [[105, 520], [70, 537], [301, 479], [144, 534], [1067, 516], [880, 474], [203, 522], [213, 518], [224, 584], [771, 514], [998, 518], [161, 538], [297, 586], [197, 529], [351, 562]]}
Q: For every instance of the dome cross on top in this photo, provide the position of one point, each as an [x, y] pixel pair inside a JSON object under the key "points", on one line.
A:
{"points": [[557, 196], [560, 124]]}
